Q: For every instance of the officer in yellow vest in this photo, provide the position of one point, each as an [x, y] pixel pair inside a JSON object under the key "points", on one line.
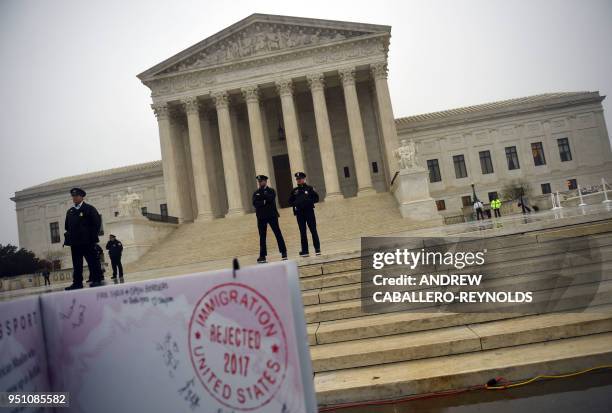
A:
{"points": [[495, 206]]}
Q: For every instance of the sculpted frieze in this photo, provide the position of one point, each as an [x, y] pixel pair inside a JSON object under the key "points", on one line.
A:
{"points": [[313, 58], [259, 39]]}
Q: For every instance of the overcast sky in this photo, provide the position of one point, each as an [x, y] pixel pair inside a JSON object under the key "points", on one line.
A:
{"points": [[70, 101]]}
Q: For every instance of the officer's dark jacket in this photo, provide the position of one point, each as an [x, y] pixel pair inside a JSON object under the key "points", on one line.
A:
{"points": [[99, 251], [264, 201], [302, 198], [114, 248], [82, 225]]}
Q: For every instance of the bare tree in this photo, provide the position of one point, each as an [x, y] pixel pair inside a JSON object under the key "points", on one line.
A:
{"points": [[54, 255], [516, 189]]}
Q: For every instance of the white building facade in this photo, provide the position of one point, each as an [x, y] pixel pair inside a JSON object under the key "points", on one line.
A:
{"points": [[275, 95], [545, 141], [41, 209]]}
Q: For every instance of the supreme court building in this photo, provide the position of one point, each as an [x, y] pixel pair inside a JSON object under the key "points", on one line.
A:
{"points": [[274, 95]]}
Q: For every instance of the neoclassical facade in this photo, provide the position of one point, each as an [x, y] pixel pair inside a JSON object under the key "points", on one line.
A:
{"points": [[543, 141], [274, 95]]}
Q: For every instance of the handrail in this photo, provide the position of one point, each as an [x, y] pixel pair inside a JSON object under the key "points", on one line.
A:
{"points": [[394, 177], [160, 218]]}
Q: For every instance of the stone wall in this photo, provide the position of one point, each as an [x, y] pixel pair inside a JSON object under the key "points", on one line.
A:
{"points": [[583, 125]]}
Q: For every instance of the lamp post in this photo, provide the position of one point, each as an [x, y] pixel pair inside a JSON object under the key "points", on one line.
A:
{"points": [[522, 200], [474, 192]]}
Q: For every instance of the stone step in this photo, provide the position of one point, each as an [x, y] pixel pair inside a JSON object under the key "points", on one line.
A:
{"points": [[344, 272], [378, 325], [237, 236], [353, 274], [208, 241], [367, 325], [529, 281], [311, 330], [460, 371], [597, 293], [460, 339]]}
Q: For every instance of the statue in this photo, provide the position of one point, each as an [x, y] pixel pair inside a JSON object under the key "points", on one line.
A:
{"points": [[130, 205], [406, 154]]}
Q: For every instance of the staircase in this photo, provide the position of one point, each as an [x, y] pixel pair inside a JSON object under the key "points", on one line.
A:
{"points": [[337, 220], [358, 356], [361, 356]]}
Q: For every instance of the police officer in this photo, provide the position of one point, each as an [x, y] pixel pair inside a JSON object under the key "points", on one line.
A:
{"points": [[302, 199], [115, 248], [82, 226], [46, 274], [100, 253], [264, 201], [495, 206]]}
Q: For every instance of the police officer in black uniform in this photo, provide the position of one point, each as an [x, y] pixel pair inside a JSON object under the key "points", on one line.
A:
{"points": [[302, 199], [82, 227], [100, 253], [115, 248], [264, 201]]}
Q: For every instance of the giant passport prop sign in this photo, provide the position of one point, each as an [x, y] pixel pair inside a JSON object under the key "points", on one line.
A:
{"points": [[23, 362], [207, 342]]}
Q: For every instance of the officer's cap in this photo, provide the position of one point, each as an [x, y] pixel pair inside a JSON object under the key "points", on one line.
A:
{"points": [[111, 235], [77, 191], [261, 178], [300, 175]]}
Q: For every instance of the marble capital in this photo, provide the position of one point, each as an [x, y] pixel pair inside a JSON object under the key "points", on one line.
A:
{"points": [[379, 70], [191, 104], [284, 87], [316, 81], [250, 93], [221, 99], [347, 75], [161, 110]]}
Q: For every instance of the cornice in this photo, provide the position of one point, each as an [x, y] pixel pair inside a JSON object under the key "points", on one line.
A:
{"points": [[249, 22], [338, 53], [63, 187], [488, 115]]}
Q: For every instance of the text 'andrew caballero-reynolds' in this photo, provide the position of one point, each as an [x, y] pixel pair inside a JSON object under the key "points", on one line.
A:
{"points": [[435, 287]]}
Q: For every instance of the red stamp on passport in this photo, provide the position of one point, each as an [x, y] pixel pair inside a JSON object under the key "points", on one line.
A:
{"points": [[238, 346]]}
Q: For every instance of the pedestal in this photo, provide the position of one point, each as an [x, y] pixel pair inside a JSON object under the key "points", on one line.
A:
{"points": [[137, 234], [411, 190]]}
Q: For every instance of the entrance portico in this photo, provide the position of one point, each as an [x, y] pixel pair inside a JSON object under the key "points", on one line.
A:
{"points": [[231, 106]]}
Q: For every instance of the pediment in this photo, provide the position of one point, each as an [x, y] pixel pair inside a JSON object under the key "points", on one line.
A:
{"points": [[259, 36]]}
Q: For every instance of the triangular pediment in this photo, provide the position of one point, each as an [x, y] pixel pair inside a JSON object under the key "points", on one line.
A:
{"points": [[261, 35]]}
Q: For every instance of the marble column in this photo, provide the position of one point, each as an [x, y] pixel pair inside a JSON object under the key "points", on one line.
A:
{"points": [[228, 155], [386, 117], [326, 146], [264, 122], [198, 159], [213, 161], [358, 142], [261, 150], [169, 148], [292, 130]]}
